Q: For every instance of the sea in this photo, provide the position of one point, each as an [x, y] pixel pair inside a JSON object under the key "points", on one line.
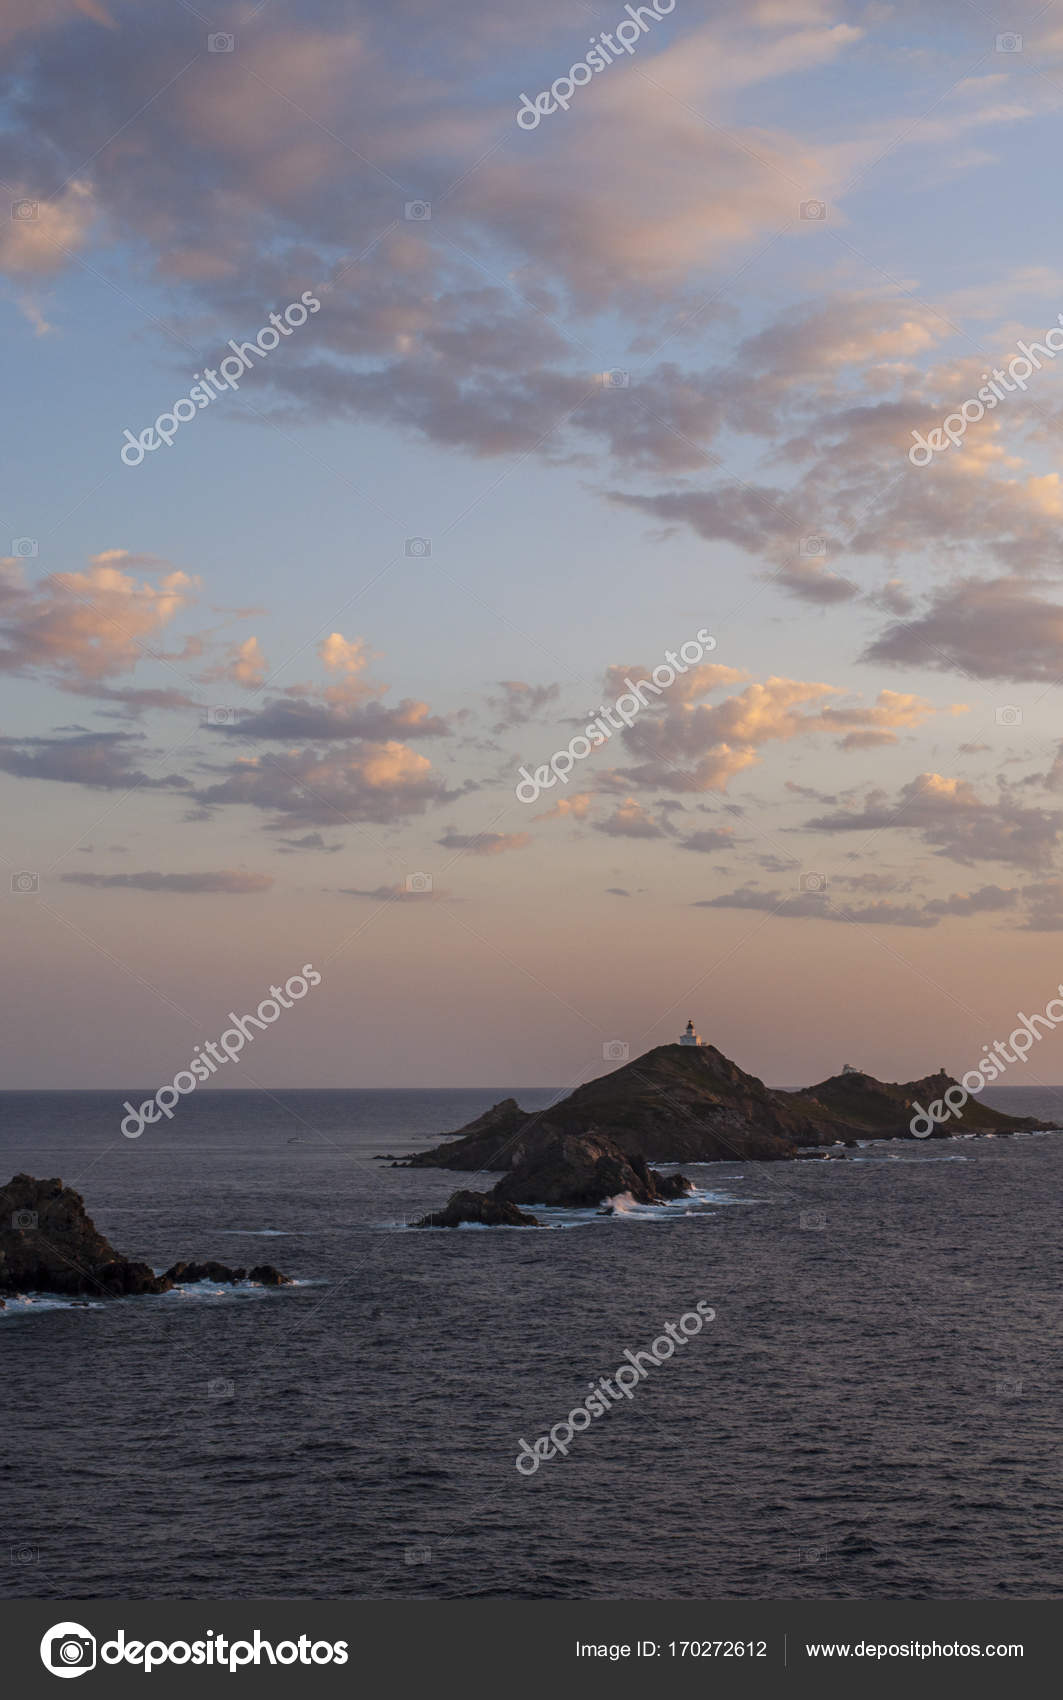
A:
{"points": [[873, 1412]]}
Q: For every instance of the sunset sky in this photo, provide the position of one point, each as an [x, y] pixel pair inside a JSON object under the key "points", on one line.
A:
{"points": [[649, 368]]}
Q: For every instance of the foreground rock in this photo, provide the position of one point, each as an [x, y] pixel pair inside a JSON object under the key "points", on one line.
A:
{"points": [[691, 1104], [50, 1244], [580, 1170], [549, 1167], [480, 1208]]}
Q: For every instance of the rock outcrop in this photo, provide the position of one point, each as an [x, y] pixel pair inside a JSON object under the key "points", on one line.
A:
{"points": [[550, 1167], [691, 1104], [50, 1244], [580, 1169], [479, 1208]]}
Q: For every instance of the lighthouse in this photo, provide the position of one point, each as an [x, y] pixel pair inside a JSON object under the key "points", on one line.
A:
{"points": [[690, 1036]]}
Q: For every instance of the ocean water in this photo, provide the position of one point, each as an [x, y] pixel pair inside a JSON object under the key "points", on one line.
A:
{"points": [[874, 1412]]}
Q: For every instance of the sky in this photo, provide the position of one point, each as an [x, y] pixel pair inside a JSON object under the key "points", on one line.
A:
{"points": [[694, 347]]}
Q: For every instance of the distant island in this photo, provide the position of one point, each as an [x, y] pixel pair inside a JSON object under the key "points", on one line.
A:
{"points": [[680, 1103]]}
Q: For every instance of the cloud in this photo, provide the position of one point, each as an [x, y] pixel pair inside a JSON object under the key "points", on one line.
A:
{"points": [[710, 840], [948, 813], [521, 702], [577, 806], [227, 880], [630, 820], [701, 748], [380, 782], [485, 843], [312, 841], [248, 665], [83, 628], [344, 655], [42, 241], [1044, 906], [988, 899], [395, 894], [101, 760], [1001, 628], [806, 905], [290, 720]]}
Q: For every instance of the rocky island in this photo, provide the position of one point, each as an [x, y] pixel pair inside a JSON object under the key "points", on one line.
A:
{"points": [[681, 1103], [50, 1244]]}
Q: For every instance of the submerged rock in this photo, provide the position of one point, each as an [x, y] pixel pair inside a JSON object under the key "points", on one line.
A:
{"points": [[50, 1244], [482, 1208]]}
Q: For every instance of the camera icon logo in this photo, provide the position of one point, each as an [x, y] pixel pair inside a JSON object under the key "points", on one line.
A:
{"points": [[418, 211], [68, 1649], [615, 1050], [1008, 715], [1009, 1386], [220, 1388], [813, 209], [812, 1555], [418, 1555], [814, 548], [25, 209], [220, 43], [417, 884], [224, 716], [24, 547], [24, 1220], [24, 882], [1009, 43], [25, 1555], [616, 379], [418, 547], [812, 882], [813, 1219]]}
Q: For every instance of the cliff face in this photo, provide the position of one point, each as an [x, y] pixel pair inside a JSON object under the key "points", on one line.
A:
{"points": [[685, 1104]]}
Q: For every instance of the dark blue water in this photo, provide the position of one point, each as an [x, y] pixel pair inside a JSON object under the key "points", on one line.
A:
{"points": [[875, 1411]]}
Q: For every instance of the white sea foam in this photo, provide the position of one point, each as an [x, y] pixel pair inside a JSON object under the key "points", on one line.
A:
{"points": [[18, 1304], [22, 1304]]}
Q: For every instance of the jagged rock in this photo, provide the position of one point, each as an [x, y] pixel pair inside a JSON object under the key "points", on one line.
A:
{"points": [[267, 1276], [121, 1279], [479, 1145], [210, 1271], [480, 1207], [581, 1169], [50, 1244]]}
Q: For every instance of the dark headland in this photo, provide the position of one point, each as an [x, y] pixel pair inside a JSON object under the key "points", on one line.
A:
{"points": [[50, 1244], [681, 1103]]}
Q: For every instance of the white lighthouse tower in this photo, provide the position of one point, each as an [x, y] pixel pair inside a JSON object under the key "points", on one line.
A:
{"points": [[690, 1036]]}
